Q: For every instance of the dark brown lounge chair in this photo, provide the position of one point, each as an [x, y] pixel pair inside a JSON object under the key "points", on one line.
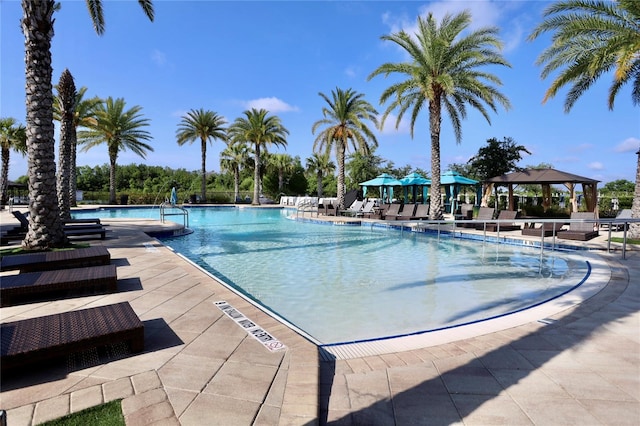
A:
{"points": [[421, 212], [484, 213], [392, 212], [63, 259], [36, 286], [580, 231], [35, 340], [547, 229], [78, 231], [503, 215]]}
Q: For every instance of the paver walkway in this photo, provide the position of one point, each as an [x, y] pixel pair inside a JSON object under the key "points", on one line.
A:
{"points": [[201, 368]]}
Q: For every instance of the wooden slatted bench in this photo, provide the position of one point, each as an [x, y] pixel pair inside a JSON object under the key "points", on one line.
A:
{"points": [[37, 286], [35, 340], [63, 259]]}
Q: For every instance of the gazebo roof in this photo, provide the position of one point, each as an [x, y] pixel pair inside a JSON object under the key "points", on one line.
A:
{"points": [[539, 176]]}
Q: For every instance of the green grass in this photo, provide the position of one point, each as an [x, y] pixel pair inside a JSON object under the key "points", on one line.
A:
{"points": [[620, 240], [109, 414]]}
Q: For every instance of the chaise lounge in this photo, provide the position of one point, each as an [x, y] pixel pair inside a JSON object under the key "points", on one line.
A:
{"points": [[36, 286], [32, 341], [63, 259], [580, 231], [547, 229], [503, 215]]}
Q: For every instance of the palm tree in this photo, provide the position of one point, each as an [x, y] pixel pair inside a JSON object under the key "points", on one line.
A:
{"points": [[320, 164], [283, 163], [591, 38], [201, 125], [344, 122], [232, 158], [65, 107], [261, 131], [45, 226], [12, 136], [83, 116], [120, 130], [444, 73]]}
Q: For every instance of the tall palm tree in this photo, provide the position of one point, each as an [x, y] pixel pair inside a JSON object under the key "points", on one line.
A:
{"points": [[345, 121], [12, 136], [83, 116], [232, 159], [120, 129], [283, 163], [321, 165], [65, 107], [444, 72], [201, 125], [591, 38], [45, 226], [261, 131]]}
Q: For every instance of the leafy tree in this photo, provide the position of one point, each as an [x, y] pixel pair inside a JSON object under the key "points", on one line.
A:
{"points": [[620, 186], [120, 130], [284, 165], [343, 122], [202, 125], [83, 115], [255, 127], [444, 72], [65, 107], [321, 165], [12, 136], [497, 158], [591, 38], [232, 159], [362, 167], [45, 226]]}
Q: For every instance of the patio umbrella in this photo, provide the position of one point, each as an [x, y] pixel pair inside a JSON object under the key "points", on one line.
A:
{"points": [[385, 182], [414, 180], [452, 181], [174, 196]]}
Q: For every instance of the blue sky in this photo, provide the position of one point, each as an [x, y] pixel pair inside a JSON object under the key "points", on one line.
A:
{"points": [[231, 56]]}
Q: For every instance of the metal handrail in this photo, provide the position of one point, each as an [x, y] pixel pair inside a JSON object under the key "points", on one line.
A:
{"points": [[183, 212]]}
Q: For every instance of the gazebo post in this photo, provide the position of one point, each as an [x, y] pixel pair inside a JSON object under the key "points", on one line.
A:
{"points": [[511, 203]]}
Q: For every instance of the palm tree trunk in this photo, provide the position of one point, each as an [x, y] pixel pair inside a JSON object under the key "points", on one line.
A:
{"points": [[280, 180], [73, 176], [319, 177], [112, 179], [435, 120], [67, 93], [236, 183], [203, 183], [634, 228], [45, 228], [340, 152], [4, 179], [256, 177]]}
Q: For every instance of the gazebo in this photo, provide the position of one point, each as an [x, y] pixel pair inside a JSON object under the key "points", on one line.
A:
{"points": [[452, 181], [546, 178], [385, 182]]}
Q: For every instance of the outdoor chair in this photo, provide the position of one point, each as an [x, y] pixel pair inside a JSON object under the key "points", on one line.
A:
{"points": [[581, 231], [484, 213], [421, 212], [36, 286], [503, 215], [63, 259], [547, 229], [407, 212], [332, 209], [367, 208], [38, 340], [622, 214], [392, 212], [377, 212], [353, 208]]}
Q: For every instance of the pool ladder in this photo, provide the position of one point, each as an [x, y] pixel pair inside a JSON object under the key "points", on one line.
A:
{"points": [[306, 206], [181, 212]]}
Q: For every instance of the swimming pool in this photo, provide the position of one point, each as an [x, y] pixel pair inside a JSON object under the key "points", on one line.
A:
{"points": [[355, 283]]}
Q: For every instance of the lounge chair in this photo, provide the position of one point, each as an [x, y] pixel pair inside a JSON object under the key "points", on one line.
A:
{"points": [[377, 212], [331, 209], [36, 286], [353, 208], [465, 212], [581, 231], [392, 212], [622, 214], [63, 259], [503, 215], [367, 209], [37, 340], [485, 213], [547, 229], [407, 212], [85, 220], [421, 213]]}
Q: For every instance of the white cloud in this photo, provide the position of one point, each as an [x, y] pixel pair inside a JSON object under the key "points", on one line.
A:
{"points": [[351, 71], [271, 104], [158, 57], [389, 127], [596, 165], [628, 145]]}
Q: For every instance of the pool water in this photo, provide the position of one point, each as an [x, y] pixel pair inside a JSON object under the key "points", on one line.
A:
{"points": [[353, 283]]}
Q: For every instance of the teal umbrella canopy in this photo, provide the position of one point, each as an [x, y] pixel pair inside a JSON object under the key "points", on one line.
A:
{"points": [[415, 179], [385, 181], [451, 177], [452, 180]]}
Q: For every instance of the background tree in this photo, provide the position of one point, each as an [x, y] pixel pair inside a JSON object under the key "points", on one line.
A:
{"points": [[444, 72], [66, 107], [495, 159], [261, 131], [12, 137], [591, 38], [45, 227], [283, 164], [320, 165], [232, 160], [120, 130], [362, 167], [345, 121], [83, 116], [201, 125]]}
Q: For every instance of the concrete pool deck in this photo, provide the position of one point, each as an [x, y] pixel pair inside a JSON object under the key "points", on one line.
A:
{"points": [[582, 366]]}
